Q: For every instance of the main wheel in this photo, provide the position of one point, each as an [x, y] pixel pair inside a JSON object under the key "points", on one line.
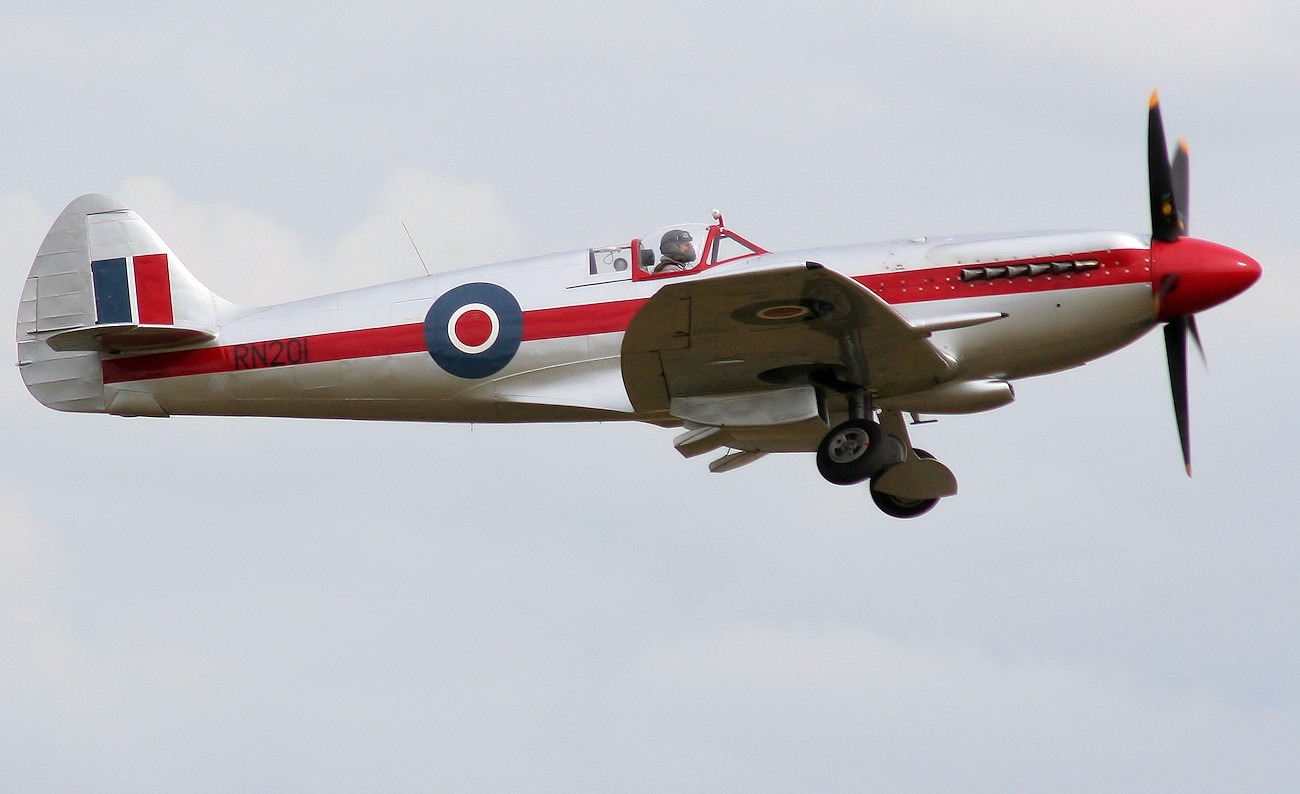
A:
{"points": [[891, 505], [897, 507], [847, 455]]}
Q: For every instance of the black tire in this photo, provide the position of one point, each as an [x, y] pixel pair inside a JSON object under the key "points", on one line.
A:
{"points": [[895, 507], [849, 453]]}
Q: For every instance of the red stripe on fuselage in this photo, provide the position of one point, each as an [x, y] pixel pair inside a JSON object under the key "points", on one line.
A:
{"points": [[945, 283], [557, 323], [1125, 266], [593, 318], [338, 346]]}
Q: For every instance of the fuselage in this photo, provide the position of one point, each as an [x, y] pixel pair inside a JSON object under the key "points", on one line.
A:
{"points": [[1064, 298]]}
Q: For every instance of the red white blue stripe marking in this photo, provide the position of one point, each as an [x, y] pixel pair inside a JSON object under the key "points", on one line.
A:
{"points": [[152, 301]]}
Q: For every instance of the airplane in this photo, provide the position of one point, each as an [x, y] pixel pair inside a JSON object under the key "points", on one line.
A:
{"points": [[745, 351]]}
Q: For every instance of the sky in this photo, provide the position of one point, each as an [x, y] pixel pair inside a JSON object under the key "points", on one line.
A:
{"points": [[298, 605]]}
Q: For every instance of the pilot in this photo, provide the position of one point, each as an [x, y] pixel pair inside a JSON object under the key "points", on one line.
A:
{"points": [[676, 252]]}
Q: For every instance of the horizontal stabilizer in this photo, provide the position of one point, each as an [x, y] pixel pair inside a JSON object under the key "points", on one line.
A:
{"points": [[124, 337]]}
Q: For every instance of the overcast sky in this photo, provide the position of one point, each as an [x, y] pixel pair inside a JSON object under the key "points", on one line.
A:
{"points": [[220, 604]]}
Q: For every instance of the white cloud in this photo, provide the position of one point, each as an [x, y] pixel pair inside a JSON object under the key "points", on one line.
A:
{"points": [[249, 258], [453, 224]]}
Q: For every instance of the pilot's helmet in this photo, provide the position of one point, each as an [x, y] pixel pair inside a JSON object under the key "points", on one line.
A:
{"points": [[676, 245]]}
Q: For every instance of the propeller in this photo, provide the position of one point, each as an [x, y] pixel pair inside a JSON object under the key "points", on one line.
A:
{"points": [[1169, 191]]}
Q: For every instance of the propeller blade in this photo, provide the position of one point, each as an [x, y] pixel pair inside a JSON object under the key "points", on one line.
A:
{"points": [[1160, 178], [1176, 352], [1196, 337], [1182, 201]]}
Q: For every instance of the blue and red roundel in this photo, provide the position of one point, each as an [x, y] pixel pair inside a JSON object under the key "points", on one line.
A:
{"points": [[474, 330]]}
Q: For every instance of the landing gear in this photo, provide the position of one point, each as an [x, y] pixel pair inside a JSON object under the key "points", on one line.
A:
{"points": [[899, 507], [851, 452], [905, 483]]}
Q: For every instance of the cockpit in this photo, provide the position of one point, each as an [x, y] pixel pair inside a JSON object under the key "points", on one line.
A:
{"points": [[671, 251]]}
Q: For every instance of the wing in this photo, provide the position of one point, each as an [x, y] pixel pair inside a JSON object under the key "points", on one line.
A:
{"points": [[769, 331]]}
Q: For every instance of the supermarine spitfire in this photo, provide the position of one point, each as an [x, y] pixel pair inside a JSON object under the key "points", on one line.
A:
{"points": [[745, 350]]}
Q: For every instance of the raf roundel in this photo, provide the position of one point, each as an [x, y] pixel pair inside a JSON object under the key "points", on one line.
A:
{"points": [[474, 330], [786, 311]]}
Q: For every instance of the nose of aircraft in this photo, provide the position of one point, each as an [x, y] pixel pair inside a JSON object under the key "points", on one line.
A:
{"points": [[1191, 275]]}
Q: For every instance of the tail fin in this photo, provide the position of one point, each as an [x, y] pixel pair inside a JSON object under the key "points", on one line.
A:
{"points": [[104, 282]]}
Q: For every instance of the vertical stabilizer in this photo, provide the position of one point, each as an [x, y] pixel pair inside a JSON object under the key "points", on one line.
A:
{"points": [[104, 282]]}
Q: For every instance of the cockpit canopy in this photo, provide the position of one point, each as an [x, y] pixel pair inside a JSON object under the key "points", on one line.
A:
{"points": [[674, 251], [688, 248]]}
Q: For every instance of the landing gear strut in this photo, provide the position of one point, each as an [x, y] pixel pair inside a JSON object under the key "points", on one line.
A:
{"points": [[852, 451]]}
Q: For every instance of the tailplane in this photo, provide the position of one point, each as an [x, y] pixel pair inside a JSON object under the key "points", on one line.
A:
{"points": [[104, 283]]}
